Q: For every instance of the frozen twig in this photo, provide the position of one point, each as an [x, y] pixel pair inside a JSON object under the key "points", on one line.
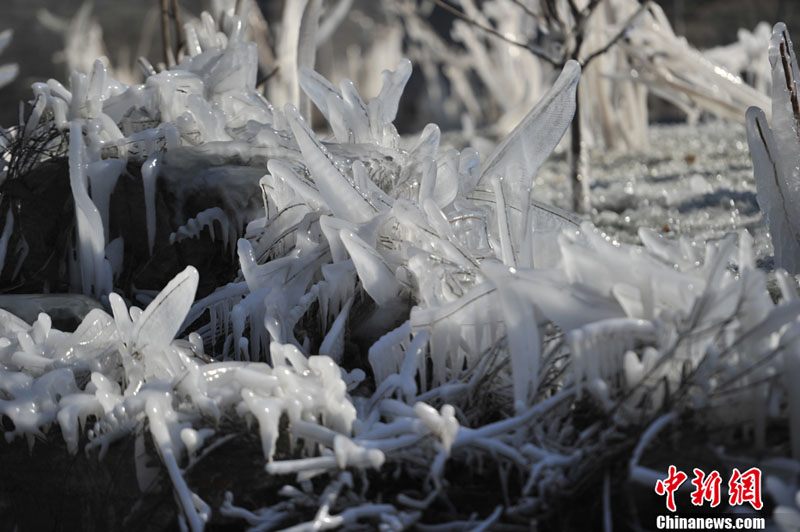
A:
{"points": [[626, 26], [459, 14]]}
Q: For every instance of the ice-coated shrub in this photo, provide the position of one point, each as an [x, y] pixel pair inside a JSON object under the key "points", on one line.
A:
{"points": [[496, 329]]}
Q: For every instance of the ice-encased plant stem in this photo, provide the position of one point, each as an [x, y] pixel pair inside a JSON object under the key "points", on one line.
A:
{"points": [[474, 301], [776, 153], [776, 161]]}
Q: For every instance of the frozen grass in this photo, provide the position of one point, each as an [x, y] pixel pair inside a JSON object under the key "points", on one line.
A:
{"points": [[416, 337]]}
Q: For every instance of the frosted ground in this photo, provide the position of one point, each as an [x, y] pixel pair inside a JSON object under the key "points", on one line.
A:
{"points": [[695, 181]]}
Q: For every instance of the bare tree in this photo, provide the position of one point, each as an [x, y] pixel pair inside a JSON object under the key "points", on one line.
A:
{"points": [[565, 25]]}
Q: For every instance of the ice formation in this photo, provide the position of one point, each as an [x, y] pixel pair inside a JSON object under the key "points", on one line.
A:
{"points": [[775, 152], [747, 56], [512, 64], [7, 72], [469, 294]]}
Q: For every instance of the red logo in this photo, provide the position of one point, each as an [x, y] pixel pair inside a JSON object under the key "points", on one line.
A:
{"points": [[742, 487], [706, 488], [670, 485], [745, 487]]}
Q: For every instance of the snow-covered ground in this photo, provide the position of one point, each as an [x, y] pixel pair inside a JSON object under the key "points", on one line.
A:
{"points": [[693, 180]]}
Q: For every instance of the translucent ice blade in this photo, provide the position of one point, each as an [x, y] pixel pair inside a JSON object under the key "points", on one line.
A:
{"points": [[428, 143], [532, 141], [447, 183], [301, 186], [785, 104], [8, 73], [524, 342], [163, 317], [355, 113], [785, 152], [318, 89], [428, 180], [5, 38], [468, 170], [378, 280], [343, 200], [121, 316], [773, 192], [393, 84], [785, 97]]}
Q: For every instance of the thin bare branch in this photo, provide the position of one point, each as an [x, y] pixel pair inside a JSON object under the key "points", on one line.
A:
{"points": [[535, 51], [590, 7], [551, 13], [530, 12], [625, 27], [573, 8], [263, 81], [177, 27], [169, 56], [582, 18]]}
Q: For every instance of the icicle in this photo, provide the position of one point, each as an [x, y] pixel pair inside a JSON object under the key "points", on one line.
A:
{"points": [[333, 343], [103, 177], [268, 413], [204, 219], [95, 270], [150, 171]]}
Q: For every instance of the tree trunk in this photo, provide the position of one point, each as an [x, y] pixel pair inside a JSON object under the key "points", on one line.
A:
{"points": [[577, 168]]}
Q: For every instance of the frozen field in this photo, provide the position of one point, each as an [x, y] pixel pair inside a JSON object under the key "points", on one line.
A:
{"points": [[695, 181]]}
